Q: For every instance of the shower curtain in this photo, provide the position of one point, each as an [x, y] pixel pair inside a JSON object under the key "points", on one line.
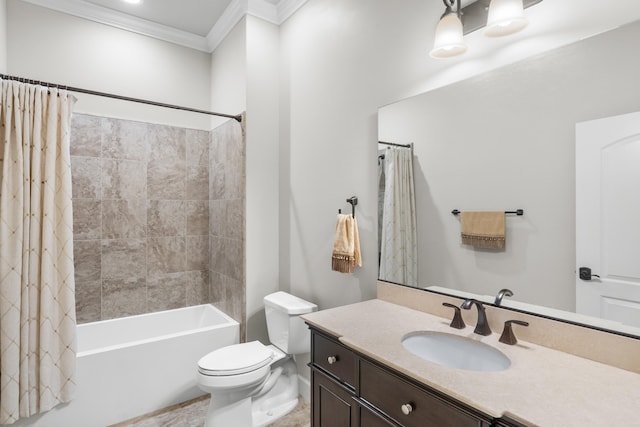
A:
{"points": [[399, 245], [37, 303]]}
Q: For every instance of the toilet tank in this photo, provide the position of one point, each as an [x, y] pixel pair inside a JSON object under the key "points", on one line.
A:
{"points": [[287, 330]]}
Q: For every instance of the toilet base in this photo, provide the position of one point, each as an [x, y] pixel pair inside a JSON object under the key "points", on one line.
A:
{"points": [[263, 418], [276, 397], [227, 412]]}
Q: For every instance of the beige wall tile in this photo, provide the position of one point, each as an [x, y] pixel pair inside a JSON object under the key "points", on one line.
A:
{"points": [[87, 260], [218, 183], [124, 179], [198, 143], [88, 301], [124, 219], [235, 219], [85, 135], [166, 255], [166, 218], [218, 217], [124, 139], [198, 253], [197, 287], [166, 180], [197, 182], [122, 259], [167, 291], [86, 177], [87, 219], [123, 297], [197, 215]]}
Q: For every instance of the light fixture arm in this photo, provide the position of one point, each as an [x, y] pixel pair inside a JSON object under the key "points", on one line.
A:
{"points": [[449, 4]]}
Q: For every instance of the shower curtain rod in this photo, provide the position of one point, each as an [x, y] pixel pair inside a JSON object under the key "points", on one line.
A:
{"points": [[120, 97], [396, 145]]}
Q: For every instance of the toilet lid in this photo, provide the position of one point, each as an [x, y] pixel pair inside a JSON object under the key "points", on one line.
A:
{"points": [[236, 359]]}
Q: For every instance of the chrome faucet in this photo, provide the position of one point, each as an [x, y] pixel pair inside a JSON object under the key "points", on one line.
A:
{"points": [[502, 294], [482, 327]]}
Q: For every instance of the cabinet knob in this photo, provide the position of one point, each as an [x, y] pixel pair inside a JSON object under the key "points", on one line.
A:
{"points": [[407, 408], [332, 359]]}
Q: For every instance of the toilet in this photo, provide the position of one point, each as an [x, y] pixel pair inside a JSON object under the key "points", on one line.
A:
{"points": [[253, 384]]}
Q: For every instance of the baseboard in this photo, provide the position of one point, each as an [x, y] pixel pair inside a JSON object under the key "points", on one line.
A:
{"points": [[304, 387]]}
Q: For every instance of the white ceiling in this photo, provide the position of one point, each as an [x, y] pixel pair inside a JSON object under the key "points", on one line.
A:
{"points": [[192, 16], [198, 24]]}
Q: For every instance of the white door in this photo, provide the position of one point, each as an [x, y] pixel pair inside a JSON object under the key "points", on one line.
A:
{"points": [[608, 218]]}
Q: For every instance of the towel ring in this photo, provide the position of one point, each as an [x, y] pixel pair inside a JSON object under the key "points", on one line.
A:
{"points": [[353, 201]]}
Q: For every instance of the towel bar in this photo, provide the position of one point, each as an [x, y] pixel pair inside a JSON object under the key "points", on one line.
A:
{"points": [[518, 212]]}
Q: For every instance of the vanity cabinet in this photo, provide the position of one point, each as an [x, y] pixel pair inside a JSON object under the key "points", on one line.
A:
{"points": [[333, 405], [349, 389]]}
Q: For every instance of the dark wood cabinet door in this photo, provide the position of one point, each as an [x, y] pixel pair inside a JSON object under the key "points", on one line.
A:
{"points": [[333, 405]]}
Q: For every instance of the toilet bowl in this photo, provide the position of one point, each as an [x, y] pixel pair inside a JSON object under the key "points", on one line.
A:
{"points": [[253, 384]]}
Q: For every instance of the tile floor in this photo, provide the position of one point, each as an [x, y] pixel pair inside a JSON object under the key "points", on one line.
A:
{"points": [[191, 414]]}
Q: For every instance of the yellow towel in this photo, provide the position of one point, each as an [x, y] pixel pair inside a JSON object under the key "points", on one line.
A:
{"points": [[346, 248], [484, 230]]}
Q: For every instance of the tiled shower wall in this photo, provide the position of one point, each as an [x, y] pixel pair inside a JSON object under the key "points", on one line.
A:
{"points": [[142, 215], [227, 223]]}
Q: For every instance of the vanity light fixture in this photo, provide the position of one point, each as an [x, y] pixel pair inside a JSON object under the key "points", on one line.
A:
{"points": [[505, 17], [500, 17], [449, 39], [133, 1]]}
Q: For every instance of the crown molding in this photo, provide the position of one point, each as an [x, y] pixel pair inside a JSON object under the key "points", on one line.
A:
{"points": [[274, 13], [286, 8], [264, 10], [237, 9], [123, 21]]}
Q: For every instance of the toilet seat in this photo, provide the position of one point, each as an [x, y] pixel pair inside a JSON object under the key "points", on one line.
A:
{"points": [[236, 359]]}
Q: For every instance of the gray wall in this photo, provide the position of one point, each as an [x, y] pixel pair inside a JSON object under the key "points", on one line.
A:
{"points": [[142, 214]]}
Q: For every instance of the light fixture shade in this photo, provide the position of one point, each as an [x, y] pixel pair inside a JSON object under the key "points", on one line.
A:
{"points": [[448, 39], [505, 17]]}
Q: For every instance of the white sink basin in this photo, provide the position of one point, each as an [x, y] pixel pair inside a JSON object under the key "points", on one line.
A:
{"points": [[455, 351]]}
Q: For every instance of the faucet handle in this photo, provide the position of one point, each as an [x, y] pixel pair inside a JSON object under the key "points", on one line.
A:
{"points": [[457, 321], [508, 337]]}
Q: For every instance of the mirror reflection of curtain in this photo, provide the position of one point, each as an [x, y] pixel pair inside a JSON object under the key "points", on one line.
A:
{"points": [[399, 244], [380, 200], [37, 302]]}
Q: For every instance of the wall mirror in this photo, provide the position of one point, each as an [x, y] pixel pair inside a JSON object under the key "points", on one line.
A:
{"points": [[506, 140]]}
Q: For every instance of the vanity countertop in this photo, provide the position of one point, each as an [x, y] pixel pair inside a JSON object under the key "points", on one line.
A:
{"points": [[542, 386]]}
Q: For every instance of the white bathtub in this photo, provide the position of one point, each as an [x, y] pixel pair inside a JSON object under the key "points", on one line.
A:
{"points": [[134, 365]]}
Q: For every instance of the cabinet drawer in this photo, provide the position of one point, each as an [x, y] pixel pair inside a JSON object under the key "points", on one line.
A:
{"points": [[389, 393], [370, 419], [334, 358]]}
